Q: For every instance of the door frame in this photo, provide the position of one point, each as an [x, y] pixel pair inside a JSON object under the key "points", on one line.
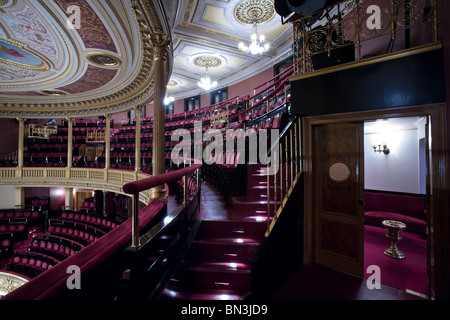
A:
{"points": [[437, 222]]}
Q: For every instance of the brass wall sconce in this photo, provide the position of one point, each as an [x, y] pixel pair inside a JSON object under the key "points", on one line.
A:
{"points": [[385, 149]]}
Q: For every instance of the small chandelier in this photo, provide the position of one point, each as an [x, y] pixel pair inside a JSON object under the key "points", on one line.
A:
{"points": [[168, 100], [257, 45], [206, 83]]}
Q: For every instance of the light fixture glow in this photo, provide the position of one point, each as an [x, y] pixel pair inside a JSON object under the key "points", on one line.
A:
{"points": [[257, 45], [168, 100], [206, 83]]}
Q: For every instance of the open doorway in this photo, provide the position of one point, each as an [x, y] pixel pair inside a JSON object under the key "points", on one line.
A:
{"points": [[436, 186], [395, 189]]}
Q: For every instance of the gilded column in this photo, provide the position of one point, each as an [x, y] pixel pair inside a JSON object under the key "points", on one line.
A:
{"points": [[68, 198], [69, 142], [137, 139], [160, 44], [20, 145], [108, 141], [19, 196]]}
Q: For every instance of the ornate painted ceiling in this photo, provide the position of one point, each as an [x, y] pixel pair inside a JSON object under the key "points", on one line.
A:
{"points": [[61, 58], [211, 30]]}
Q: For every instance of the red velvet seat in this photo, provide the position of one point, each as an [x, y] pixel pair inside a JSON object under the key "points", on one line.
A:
{"points": [[408, 209]]}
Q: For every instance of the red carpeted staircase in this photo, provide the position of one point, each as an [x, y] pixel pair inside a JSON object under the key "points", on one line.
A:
{"points": [[217, 265]]}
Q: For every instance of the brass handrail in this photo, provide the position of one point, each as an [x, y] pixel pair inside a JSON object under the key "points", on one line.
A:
{"points": [[135, 187], [290, 169]]}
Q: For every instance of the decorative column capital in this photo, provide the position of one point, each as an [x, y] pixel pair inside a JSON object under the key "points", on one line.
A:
{"points": [[138, 109], [160, 43]]}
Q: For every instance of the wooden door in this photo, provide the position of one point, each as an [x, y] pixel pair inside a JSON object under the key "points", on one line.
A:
{"points": [[430, 231], [338, 171]]}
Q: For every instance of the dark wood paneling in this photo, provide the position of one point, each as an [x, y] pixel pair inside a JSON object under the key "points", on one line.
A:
{"points": [[340, 238], [339, 214], [412, 80]]}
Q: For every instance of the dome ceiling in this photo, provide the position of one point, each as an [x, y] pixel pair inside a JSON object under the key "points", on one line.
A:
{"points": [[64, 58], [75, 58]]}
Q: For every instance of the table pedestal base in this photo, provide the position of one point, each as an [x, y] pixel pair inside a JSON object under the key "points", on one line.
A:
{"points": [[394, 232]]}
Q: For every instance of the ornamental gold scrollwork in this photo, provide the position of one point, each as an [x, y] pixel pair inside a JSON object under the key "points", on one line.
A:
{"points": [[95, 136], [219, 117], [319, 33], [40, 131], [160, 43]]}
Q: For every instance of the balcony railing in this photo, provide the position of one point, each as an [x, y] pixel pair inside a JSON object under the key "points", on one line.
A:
{"points": [[105, 179], [280, 185], [364, 29]]}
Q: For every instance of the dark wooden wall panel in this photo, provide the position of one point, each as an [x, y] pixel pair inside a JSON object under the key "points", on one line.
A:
{"points": [[412, 80]]}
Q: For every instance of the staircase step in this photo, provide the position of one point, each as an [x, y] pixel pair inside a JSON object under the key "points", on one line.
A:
{"points": [[174, 294], [211, 276], [224, 229], [217, 266]]}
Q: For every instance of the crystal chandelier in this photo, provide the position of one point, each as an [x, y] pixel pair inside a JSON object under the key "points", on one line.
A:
{"points": [[206, 83], [257, 45]]}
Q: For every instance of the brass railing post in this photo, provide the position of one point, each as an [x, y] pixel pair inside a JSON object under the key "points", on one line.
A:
{"points": [[198, 179], [286, 162], [298, 146], [293, 172], [135, 221], [268, 197], [185, 189]]}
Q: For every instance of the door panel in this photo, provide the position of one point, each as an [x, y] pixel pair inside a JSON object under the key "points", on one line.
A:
{"points": [[339, 192]]}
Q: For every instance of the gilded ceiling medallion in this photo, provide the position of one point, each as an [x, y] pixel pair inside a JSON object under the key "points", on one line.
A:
{"points": [[17, 55], [103, 60], [173, 83], [251, 11], [207, 61]]}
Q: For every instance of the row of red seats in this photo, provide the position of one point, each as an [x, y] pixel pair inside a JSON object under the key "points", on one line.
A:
{"points": [[31, 264], [5, 247], [55, 246], [232, 103], [19, 214], [16, 227], [80, 236], [260, 111], [89, 219], [179, 189], [59, 226]]}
